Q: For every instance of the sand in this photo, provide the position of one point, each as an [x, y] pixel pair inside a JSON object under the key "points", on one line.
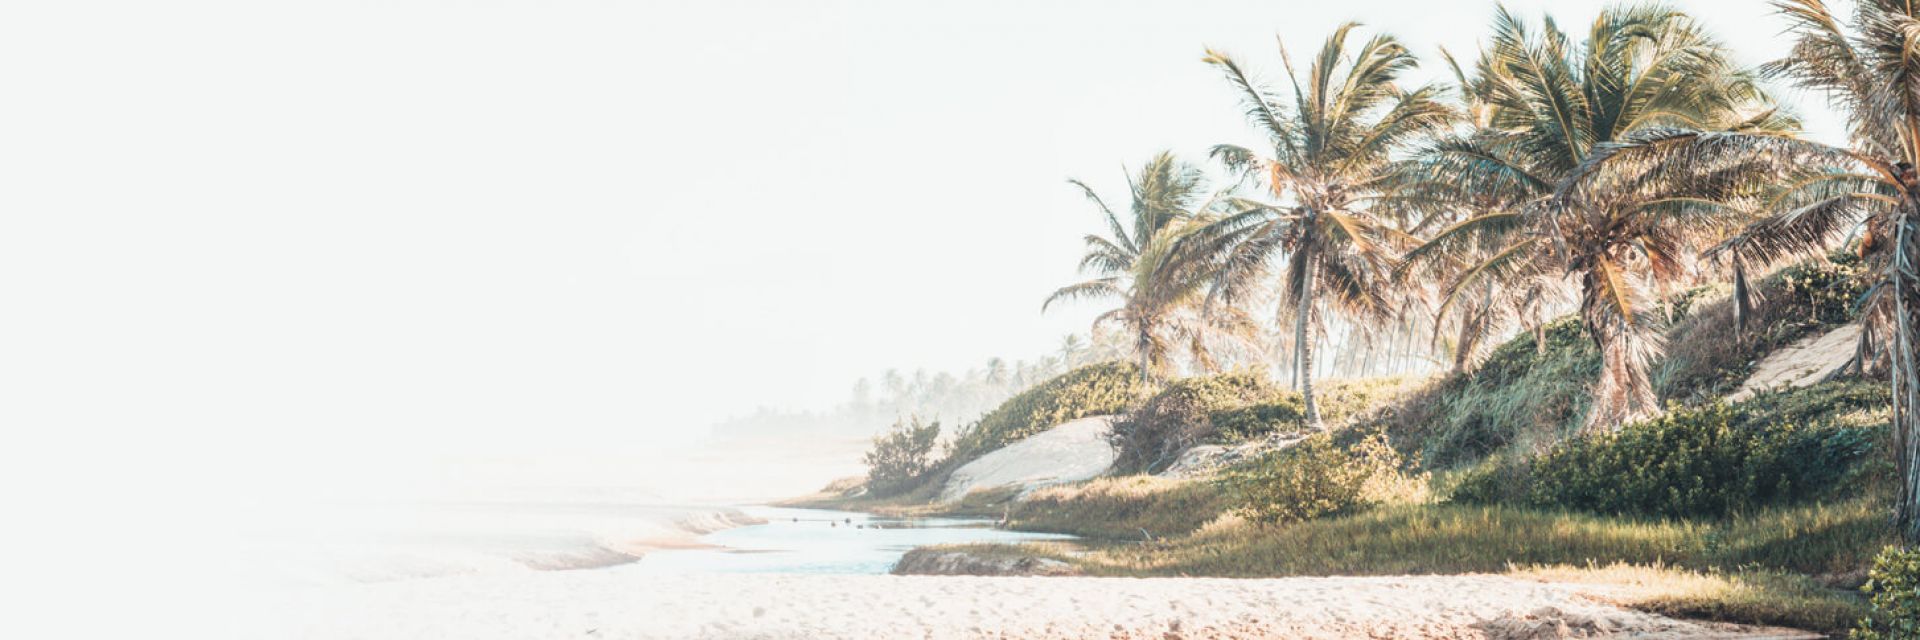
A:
{"points": [[1071, 452], [613, 604]]}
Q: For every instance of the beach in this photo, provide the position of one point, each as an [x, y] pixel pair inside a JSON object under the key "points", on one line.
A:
{"points": [[613, 604]]}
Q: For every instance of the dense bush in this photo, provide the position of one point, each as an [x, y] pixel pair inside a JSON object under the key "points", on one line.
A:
{"points": [[1696, 462], [1705, 358], [901, 456], [1198, 410], [1315, 478], [1894, 583], [1099, 389]]}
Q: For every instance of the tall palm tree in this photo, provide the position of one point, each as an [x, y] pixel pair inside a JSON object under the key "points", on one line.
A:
{"points": [[1641, 68], [1330, 152], [1159, 290], [1867, 67]]}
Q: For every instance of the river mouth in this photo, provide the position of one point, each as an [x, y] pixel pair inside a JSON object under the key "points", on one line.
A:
{"points": [[820, 541]]}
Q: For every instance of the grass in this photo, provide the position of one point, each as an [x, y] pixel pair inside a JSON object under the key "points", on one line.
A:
{"points": [[1747, 596], [1121, 508]]}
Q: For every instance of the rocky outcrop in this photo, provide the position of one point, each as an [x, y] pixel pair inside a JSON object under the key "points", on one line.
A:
{"points": [[1802, 363], [939, 562], [1071, 452]]}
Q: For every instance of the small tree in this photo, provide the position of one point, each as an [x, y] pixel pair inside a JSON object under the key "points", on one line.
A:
{"points": [[901, 456]]}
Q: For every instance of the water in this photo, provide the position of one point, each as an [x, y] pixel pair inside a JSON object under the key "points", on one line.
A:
{"points": [[822, 541]]}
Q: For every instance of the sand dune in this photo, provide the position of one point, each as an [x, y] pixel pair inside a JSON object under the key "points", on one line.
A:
{"points": [[613, 604]]}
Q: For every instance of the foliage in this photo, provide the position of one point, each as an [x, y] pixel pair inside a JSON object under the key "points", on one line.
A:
{"points": [[1315, 478], [1099, 389], [1696, 462], [1327, 162], [1159, 288], [901, 456], [1894, 583]]}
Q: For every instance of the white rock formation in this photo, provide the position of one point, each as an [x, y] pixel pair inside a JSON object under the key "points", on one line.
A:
{"points": [[1802, 363], [1071, 452]]}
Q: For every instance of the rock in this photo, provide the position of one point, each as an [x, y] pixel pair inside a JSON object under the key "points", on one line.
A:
{"points": [[1802, 363], [1205, 460], [936, 562], [1071, 452]]}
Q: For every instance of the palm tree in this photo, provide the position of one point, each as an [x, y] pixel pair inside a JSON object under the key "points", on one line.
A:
{"points": [[1330, 155], [1867, 68], [1554, 104], [1426, 184], [1140, 265]]}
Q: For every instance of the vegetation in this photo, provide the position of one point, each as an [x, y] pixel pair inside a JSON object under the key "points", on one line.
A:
{"points": [[900, 457], [1894, 583], [1866, 69], [1141, 265], [1331, 154], [1643, 67], [1692, 463], [1099, 389], [1317, 478], [1121, 508]]}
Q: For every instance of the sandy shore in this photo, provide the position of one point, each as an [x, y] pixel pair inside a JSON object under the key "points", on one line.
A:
{"points": [[612, 604]]}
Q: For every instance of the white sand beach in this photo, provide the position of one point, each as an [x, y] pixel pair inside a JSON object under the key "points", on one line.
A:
{"points": [[614, 604]]}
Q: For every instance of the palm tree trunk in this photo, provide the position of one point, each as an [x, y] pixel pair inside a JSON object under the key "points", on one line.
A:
{"points": [[1906, 371], [1303, 348]]}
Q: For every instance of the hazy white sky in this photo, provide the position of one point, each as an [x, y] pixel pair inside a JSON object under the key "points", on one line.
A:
{"points": [[367, 231]]}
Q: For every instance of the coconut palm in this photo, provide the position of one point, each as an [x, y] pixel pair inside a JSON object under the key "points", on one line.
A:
{"points": [[1478, 307], [1553, 104], [1140, 265], [1331, 141], [1867, 68]]}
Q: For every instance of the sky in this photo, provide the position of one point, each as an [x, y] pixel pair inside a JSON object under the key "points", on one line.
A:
{"points": [[276, 239]]}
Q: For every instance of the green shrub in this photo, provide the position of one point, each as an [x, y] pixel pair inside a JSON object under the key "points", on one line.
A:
{"points": [[901, 456], [1894, 583], [1315, 478], [1696, 462], [1195, 411], [1098, 389]]}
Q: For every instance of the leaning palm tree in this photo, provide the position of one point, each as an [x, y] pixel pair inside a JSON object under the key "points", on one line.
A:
{"points": [[1140, 265], [1868, 69], [1331, 143], [1641, 68]]}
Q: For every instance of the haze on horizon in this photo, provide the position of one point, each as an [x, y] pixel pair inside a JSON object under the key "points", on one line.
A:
{"points": [[268, 241]]}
